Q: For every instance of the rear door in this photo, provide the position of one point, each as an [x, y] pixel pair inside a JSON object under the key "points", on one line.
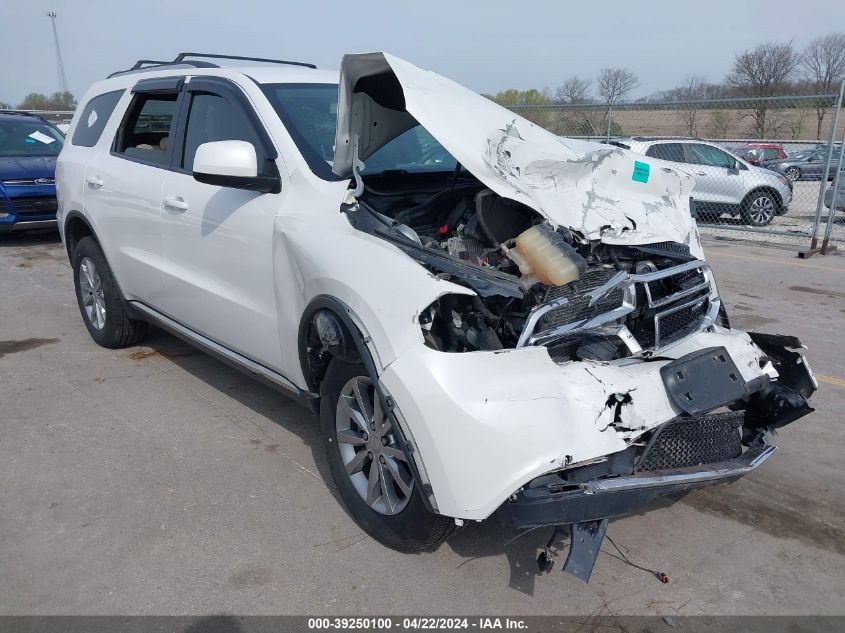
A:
{"points": [[123, 189], [218, 241]]}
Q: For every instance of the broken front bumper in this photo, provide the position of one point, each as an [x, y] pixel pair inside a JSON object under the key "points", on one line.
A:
{"points": [[620, 496]]}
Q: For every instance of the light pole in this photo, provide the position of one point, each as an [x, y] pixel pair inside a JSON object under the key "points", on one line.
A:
{"points": [[59, 63]]}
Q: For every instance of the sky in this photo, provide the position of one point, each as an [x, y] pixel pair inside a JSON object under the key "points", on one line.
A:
{"points": [[488, 45]]}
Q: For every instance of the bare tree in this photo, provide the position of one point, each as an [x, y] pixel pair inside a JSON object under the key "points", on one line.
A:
{"points": [[614, 84], [574, 90], [762, 72], [718, 124], [689, 93], [823, 66]]}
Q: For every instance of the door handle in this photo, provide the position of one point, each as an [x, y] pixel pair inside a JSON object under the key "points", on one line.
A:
{"points": [[177, 204], [701, 173], [95, 182]]}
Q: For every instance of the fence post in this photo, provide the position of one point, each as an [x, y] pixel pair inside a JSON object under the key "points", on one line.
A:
{"points": [[832, 211], [609, 120], [820, 203]]}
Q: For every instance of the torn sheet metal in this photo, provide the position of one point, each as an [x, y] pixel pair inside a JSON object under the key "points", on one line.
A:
{"points": [[603, 192]]}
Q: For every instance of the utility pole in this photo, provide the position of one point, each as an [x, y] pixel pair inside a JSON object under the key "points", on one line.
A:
{"points": [[59, 63]]}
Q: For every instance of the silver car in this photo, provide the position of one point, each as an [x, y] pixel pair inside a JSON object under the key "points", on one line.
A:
{"points": [[724, 183], [840, 195]]}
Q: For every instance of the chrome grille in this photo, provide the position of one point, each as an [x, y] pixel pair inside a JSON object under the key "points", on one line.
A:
{"points": [[661, 308], [577, 306]]}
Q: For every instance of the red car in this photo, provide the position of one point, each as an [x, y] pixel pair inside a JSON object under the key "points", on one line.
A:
{"points": [[760, 153]]}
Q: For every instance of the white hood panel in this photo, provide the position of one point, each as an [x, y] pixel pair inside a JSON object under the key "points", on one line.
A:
{"points": [[601, 191]]}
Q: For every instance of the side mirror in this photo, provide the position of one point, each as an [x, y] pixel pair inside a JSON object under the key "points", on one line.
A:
{"points": [[737, 166], [232, 164]]}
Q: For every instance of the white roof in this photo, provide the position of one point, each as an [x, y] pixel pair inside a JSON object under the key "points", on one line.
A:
{"points": [[277, 73]]}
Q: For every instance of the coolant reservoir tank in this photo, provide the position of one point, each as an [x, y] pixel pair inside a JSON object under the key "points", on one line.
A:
{"points": [[543, 255]]}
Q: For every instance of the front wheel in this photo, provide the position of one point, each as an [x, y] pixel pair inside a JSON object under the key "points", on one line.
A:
{"points": [[759, 209], [370, 468], [793, 173]]}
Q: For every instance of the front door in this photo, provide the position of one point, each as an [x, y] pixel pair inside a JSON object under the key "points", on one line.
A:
{"points": [[218, 241], [716, 180]]}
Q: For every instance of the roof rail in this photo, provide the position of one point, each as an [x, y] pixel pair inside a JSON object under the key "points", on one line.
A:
{"points": [[180, 60]]}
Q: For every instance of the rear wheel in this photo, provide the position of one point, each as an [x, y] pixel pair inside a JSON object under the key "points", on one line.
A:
{"points": [[759, 209], [100, 303], [370, 468]]}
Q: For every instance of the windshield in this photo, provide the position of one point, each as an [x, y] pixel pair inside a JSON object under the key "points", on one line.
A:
{"points": [[23, 136], [309, 112]]}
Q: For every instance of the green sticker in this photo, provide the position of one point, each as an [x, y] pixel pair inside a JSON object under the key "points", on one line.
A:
{"points": [[640, 172]]}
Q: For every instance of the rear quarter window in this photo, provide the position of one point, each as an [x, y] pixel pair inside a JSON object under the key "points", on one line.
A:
{"points": [[94, 117]]}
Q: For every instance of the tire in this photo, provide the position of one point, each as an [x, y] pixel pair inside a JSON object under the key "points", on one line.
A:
{"points": [[410, 527], [759, 208], [100, 302], [793, 173]]}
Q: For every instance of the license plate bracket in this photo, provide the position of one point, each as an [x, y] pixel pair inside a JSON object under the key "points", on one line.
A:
{"points": [[704, 380]]}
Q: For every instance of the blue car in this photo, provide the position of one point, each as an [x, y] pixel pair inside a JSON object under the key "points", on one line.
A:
{"points": [[29, 146]]}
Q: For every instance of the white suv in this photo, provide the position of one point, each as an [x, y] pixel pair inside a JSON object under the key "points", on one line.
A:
{"points": [[724, 183], [485, 317]]}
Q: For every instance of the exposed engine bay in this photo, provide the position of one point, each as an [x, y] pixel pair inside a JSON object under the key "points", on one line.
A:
{"points": [[536, 284]]}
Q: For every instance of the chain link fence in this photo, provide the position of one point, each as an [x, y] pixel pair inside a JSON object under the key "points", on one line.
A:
{"points": [[59, 118], [789, 150]]}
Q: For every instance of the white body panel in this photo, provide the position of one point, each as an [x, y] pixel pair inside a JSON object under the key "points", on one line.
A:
{"points": [[218, 273], [125, 199], [486, 423]]}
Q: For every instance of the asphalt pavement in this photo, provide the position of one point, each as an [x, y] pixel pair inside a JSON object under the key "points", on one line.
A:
{"points": [[156, 480]]}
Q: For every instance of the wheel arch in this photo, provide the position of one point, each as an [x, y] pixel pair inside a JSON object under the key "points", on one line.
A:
{"points": [[351, 347], [763, 189], [357, 342], [77, 226]]}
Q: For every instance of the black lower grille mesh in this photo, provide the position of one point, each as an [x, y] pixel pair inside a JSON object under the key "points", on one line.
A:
{"points": [[676, 325], [40, 205], [685, 442]]}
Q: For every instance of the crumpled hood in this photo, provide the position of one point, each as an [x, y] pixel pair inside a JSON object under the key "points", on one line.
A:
{"points": [[604, 192]]}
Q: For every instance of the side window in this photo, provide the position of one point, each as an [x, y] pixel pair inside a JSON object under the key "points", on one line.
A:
{"points": [[771, 153], [710, 156], [213, 118], [94, 118], [667, 151], [147, 128]]}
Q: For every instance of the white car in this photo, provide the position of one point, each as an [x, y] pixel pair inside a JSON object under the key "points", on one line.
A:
{"points": [[724, 183], [486, 317]]}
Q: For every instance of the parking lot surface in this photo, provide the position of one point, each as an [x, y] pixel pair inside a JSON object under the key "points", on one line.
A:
{"points": [[156, 480]]}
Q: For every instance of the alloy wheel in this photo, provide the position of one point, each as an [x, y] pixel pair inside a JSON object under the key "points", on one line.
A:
{"points": [[91, 292], [793, 174], [761, 210], [374, 462]]}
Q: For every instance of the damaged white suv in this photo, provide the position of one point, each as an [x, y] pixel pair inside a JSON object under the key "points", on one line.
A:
{"points": [[487, 317]]}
